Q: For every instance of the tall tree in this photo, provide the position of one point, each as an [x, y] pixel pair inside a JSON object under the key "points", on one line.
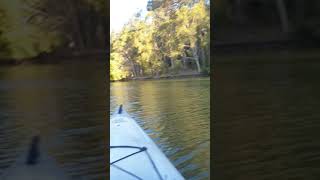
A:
{"points": [[82, 22]]}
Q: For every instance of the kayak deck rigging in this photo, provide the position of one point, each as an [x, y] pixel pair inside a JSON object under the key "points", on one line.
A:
{"points": [[140, 150]]}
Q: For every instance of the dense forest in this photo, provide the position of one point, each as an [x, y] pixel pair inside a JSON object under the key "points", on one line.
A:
{"points": [[171, 39], [33, 27]]}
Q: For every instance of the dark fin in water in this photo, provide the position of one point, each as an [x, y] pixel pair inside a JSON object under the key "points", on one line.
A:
{"points": [[34, 151], [120, 109]]}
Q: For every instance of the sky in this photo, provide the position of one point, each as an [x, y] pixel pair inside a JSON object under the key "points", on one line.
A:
{"points": [[122, 10]]}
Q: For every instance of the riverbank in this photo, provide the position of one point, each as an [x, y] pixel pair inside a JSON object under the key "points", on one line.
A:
{"points": [[302, 55], [47, 58], [166, 76]]}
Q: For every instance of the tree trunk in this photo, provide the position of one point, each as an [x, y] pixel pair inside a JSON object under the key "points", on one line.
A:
{"points": [[91, 28], [238, 8], [199, 60], [184, 62], [172, 62], [300, 10], [138, 70], [133, 69], [203, 58], [283, 15], [208, 55], [196, 58], [75, 24]]}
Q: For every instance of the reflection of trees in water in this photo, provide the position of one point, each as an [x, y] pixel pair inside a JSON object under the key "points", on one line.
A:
{"points": [[85, 119], [34, 99]]}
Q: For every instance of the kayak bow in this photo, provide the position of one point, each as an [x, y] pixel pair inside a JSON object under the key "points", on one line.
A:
{"points": [[133, 155]]}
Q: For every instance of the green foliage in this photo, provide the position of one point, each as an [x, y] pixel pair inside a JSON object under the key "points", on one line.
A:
{"points": [[32, 27], [143, 44], [177, 67], [4, 46], [118, 72]]}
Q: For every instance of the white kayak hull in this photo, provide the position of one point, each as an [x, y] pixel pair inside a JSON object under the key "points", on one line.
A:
{"points": [[133, 155]]}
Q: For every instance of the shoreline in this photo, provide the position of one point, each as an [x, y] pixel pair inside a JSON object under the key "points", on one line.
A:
{"points": [[56, 58], [150, 78], [10, 63], [278, 56], [282, 51]]}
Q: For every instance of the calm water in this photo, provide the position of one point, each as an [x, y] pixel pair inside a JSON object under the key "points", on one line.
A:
{"points": [[266, 122], [176, 114], [66, 105]]}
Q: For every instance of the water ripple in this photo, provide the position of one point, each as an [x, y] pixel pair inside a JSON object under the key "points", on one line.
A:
{"points": [[175, 114]]}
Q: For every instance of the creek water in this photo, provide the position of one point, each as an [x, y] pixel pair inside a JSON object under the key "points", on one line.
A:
{"points": [[266, 121], [176, 115], [65, 104]]}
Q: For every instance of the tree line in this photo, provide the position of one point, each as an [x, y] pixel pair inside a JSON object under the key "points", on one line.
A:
{"points": [[170, 39]]}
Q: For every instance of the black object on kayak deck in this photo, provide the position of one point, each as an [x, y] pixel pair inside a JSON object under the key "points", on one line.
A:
{"points": [[34, 152], [120, 109]]}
